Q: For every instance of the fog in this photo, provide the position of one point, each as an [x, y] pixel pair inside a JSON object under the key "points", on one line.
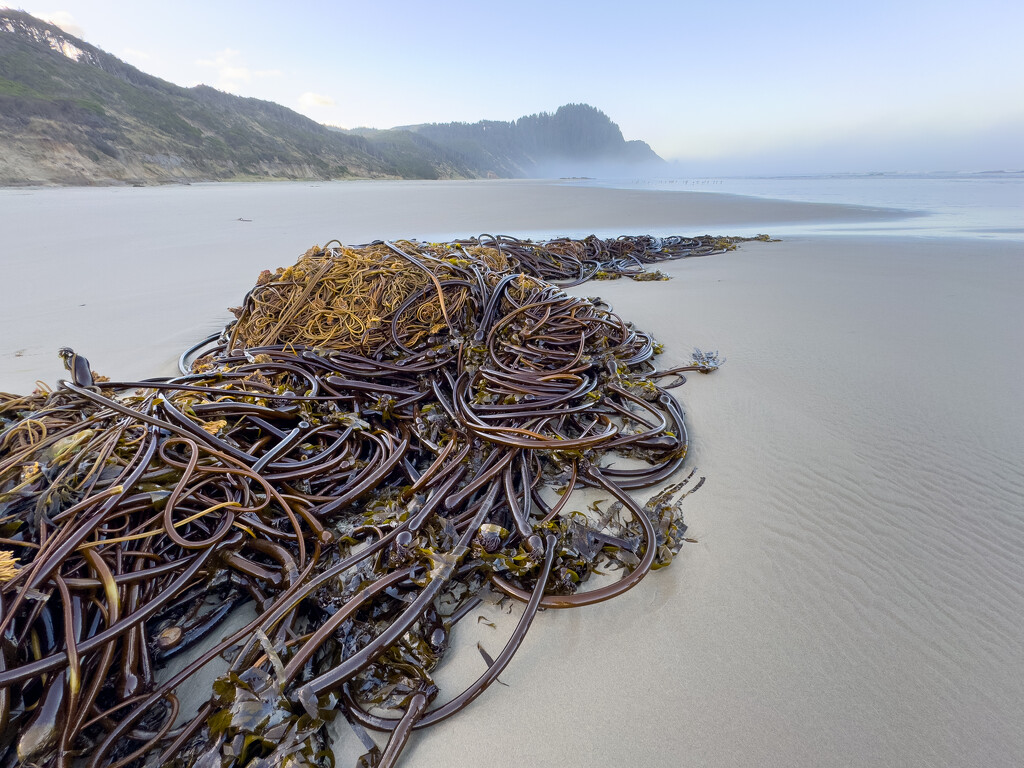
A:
{"points": [[993, 149], [564, 168]]}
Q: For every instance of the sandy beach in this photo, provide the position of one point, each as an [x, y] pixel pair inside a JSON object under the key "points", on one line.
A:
{"points": [[132, 276], [855, 596]]}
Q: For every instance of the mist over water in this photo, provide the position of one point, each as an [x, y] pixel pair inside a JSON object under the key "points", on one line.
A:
{"points": [[989, 205], [890, 148], [589, 169]]}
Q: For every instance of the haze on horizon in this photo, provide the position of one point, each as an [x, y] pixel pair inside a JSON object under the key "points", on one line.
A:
{"points": [[738, 88]]}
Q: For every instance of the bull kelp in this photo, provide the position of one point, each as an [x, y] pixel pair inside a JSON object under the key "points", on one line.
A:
{"points": [[359, 457]]}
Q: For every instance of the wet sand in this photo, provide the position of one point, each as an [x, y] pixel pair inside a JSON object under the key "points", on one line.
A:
{"points": [[856, 595], [129, 277]]}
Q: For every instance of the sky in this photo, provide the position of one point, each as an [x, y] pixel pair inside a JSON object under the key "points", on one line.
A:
{"points": [[725, 87]]}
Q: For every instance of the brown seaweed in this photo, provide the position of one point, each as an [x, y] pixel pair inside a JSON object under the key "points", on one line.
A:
{"points": [[360, 454]]}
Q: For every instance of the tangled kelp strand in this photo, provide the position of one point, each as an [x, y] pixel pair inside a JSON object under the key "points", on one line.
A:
{"points": [[359, 455], [365, 299]]}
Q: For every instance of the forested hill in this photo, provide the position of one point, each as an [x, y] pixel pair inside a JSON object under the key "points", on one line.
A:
{"points": [[576, 140], [71, 113]]}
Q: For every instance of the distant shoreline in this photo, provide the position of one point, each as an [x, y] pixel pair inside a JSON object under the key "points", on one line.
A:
{"points": [[165, 182], [78, 183]]}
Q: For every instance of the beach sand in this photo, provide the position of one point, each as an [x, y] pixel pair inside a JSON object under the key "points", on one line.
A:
{"points": [[130, 277], [856, 595]]}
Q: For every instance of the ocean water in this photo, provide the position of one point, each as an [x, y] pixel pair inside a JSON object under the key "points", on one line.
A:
{"points": [[985, 205]]}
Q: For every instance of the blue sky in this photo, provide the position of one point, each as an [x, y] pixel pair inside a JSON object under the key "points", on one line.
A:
{"points": [[723, 87]]}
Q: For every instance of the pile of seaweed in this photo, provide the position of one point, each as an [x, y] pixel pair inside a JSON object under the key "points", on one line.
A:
{"points": [[359, 457]]}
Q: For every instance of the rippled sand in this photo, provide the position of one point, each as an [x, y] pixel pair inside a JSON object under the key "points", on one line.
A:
{"points": [[856, 597]]}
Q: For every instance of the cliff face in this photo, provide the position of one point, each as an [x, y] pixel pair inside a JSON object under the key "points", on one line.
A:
{"points": [[71, 113]]}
